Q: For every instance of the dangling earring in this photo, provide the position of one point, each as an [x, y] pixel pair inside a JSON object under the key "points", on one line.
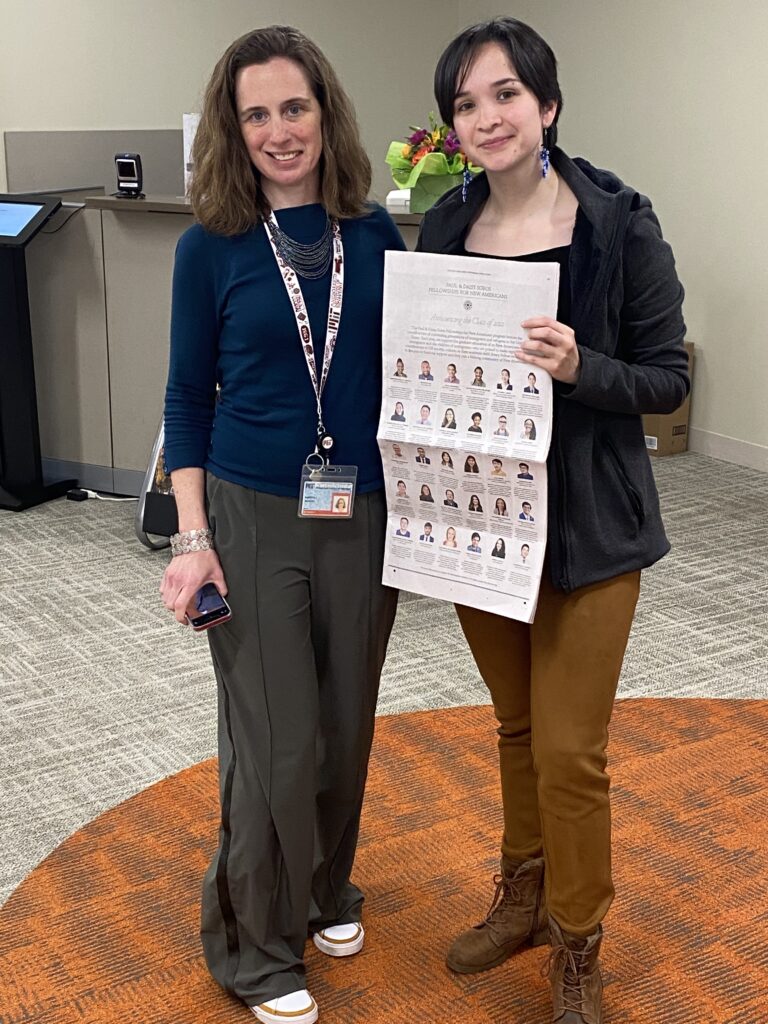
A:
{"points": [[466, 177], [544, 151]]}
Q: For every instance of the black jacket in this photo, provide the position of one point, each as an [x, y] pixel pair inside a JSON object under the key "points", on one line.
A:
{"points": [[626, 300]]}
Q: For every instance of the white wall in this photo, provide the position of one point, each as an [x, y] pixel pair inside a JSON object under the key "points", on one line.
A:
{"points": [[86, 65], [671, 94]]}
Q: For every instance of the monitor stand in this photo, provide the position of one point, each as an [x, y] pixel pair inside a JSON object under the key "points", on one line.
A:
{"points": [[21, 474], [19, 500]]}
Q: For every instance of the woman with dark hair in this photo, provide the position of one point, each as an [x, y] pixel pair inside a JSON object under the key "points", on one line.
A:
{"points": [[504, 384], [500, 508], [499, 549], [446, 462], [474, 504], [277, 299], [425, 493], [528, 433], [614, 351], [449, 419], [470, 465]]}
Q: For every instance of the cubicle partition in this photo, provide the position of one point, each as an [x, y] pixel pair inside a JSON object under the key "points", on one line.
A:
{"points": [[100, 301], [100, 294]]}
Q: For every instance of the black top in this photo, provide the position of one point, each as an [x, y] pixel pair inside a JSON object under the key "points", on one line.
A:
{"points": [[560, 254]]}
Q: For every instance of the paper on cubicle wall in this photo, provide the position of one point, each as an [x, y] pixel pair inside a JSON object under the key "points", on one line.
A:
{"points": [[189, 124], [464, 430]]}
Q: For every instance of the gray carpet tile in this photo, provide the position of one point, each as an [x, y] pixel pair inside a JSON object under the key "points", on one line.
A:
{"points": [[101, 693]]}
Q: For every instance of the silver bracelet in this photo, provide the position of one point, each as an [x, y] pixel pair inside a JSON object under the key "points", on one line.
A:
{"points": [[191, 540]]}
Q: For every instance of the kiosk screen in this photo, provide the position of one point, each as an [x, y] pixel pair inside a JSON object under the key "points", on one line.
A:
{"points": [[14, 217]]}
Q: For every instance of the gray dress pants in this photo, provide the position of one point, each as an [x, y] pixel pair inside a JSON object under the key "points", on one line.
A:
{"points": [[298, 668]]}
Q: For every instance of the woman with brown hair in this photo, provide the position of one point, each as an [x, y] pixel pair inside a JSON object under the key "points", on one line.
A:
{"points": [[285, 241]]}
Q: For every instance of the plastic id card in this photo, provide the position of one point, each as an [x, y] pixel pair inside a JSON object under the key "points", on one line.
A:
{"points": [[327, 492]]}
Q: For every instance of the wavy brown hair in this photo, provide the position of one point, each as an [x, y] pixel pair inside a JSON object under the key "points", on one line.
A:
{"points": [[226, 193]]}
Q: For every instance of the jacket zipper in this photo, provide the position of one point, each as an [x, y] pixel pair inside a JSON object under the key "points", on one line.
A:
{"points": [[565, 580]]}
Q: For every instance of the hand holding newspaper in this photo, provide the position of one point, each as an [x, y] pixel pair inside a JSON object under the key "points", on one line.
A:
{"points": [[465, 429]]}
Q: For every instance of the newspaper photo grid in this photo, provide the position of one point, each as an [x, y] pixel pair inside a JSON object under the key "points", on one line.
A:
{"points": [[465, 429]]}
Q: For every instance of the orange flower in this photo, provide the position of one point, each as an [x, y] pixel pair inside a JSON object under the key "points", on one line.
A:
{"points": [[420, 154]]}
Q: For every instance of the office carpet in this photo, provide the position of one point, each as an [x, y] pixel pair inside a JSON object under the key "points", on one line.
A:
{"points": [[101, 693], [105, 930]]}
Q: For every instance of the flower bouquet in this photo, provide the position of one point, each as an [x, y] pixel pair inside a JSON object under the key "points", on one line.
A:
{"points": [[429, 163]]}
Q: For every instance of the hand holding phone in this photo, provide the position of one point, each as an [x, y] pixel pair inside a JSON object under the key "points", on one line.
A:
{"points": [[207, 608]]}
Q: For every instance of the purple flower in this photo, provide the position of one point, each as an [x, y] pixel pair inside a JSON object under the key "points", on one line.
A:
{"points": [[451, 145], [418, 136]]}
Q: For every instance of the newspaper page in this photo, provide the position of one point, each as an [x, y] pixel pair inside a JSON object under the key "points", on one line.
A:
{"points": [[465, 429]]}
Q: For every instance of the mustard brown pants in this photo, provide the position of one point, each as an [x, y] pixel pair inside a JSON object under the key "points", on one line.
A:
{"points": [[553, 685]]}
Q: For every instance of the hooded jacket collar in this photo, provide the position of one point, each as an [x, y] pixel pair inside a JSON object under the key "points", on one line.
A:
{"points": [[604, 201]]}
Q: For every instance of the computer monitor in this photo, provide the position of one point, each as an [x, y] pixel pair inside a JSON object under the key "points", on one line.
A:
{"points": [[21, 217]]}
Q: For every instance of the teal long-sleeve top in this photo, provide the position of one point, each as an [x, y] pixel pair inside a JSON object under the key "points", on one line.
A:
{"points": [[232, 325]]}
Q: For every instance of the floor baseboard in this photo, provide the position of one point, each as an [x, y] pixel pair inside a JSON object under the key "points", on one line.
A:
{"points": [[729, 449]]}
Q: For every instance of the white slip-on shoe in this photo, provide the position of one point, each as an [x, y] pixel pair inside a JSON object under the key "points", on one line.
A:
{"points": [[295, 1008], [340, 939]]}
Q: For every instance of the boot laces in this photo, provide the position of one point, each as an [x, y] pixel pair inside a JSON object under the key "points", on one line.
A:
{"points": [[572, 963], [506, 894]]}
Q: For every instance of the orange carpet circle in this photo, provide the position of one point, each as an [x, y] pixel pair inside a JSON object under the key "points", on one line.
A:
{"points": [[105, 929]]}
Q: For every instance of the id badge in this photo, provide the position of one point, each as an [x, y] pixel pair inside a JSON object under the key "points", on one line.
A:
{"points": [[327, 492]]}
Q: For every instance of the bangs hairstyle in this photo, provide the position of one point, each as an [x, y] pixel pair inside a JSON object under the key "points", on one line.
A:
{"points": [[226, 193], [530, 56]]}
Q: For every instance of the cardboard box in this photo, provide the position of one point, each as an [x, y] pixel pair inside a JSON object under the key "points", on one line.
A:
{"points": [[668, 435]]}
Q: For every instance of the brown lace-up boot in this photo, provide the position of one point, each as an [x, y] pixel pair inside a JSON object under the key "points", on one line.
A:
{"points": [[574, 976], [517, 917]]}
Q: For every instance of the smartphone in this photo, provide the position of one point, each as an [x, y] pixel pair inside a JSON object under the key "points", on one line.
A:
{"points": [[207, 608]]}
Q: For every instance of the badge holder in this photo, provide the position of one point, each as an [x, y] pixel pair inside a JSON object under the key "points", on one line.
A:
{"points": [[326, 491]]}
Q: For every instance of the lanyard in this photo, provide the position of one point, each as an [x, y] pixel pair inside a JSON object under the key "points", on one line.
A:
{"points": [[293, 288]]}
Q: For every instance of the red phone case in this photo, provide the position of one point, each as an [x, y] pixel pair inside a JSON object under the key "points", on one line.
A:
{"points": [[215, 622], [224, 616]]}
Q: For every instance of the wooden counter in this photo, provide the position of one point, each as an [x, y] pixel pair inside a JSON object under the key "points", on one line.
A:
{"points": [[149, 204]]}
